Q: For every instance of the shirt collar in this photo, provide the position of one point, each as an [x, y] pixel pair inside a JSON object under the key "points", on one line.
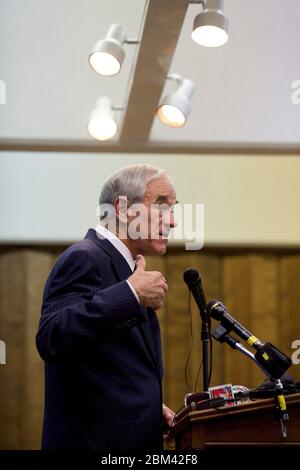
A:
{"points": [[117, 243]]}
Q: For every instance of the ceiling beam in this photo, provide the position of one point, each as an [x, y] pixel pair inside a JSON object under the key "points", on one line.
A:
{"points": [[204, 148], [161, 30]]}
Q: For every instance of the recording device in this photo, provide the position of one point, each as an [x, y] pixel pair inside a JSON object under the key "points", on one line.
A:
{"points": [[195, 398]]}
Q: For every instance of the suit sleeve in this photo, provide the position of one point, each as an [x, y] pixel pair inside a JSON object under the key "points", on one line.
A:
{"points": [[78, 308]]}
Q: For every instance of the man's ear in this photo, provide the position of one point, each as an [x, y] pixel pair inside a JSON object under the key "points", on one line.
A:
{"points": [[121, 208]]}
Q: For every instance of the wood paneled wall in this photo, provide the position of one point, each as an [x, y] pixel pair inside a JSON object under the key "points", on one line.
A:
{"points": [[260, 288]]}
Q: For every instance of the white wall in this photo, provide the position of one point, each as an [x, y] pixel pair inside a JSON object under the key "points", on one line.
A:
{"points": [[52, 197]]}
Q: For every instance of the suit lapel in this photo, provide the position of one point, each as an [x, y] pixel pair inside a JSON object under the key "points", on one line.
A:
{"points": [[123, 271]]}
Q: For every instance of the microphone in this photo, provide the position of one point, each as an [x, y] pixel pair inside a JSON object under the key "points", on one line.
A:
{"points": [[270, 359], [218, 311], [192, 279]]}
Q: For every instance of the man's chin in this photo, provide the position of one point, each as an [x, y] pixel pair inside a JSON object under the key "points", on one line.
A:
{"points": [[159, 247], [154, 247]]}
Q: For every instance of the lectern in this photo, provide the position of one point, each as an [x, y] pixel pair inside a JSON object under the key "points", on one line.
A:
{"points": [[250, 424]]}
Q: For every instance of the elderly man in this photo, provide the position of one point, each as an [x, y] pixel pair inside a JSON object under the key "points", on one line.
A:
{"points": [[98, 334]]}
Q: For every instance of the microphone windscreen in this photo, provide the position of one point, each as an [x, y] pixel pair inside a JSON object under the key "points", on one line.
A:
{"points": [[210, 305], [191, 276], [215, 309]]}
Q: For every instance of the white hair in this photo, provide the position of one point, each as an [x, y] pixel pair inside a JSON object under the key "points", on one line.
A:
{"points": [[130, 181]]}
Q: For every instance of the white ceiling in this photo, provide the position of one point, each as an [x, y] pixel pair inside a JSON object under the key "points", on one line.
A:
{"points": [[243, 88]]}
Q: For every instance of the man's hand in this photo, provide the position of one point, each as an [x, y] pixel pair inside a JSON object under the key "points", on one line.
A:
{"points": [[168, 417], [150, 286], [168, 423]]}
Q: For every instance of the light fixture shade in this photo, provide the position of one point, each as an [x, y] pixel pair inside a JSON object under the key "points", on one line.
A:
{"points": [[108, 54], [107, 57], [210, 29], [175, 107], [211, 25], [171, 115], [102, 124]]}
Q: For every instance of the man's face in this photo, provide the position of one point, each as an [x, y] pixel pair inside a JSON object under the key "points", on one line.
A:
{"points": [[156, 221]]}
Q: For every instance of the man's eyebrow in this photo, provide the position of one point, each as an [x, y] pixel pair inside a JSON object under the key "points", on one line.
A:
{"points": [[162, 198]]}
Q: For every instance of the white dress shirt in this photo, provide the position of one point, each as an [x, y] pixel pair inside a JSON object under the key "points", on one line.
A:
{"points": [[122, 249]]}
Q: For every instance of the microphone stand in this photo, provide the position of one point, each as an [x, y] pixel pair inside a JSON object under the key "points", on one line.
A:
{"points": [[193, 280], [205, 337], [235, 344]]}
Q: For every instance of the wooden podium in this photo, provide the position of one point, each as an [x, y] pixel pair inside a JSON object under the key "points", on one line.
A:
{"points": [[251, 424]]}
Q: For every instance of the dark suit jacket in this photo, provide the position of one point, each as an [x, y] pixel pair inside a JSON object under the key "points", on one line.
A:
{"points": [[102, 353]]}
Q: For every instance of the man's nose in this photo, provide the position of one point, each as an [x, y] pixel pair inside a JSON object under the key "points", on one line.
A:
{"points": [[173, 222]]}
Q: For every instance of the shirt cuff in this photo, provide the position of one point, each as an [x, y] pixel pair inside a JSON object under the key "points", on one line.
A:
{"points": [[133, 290]]}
